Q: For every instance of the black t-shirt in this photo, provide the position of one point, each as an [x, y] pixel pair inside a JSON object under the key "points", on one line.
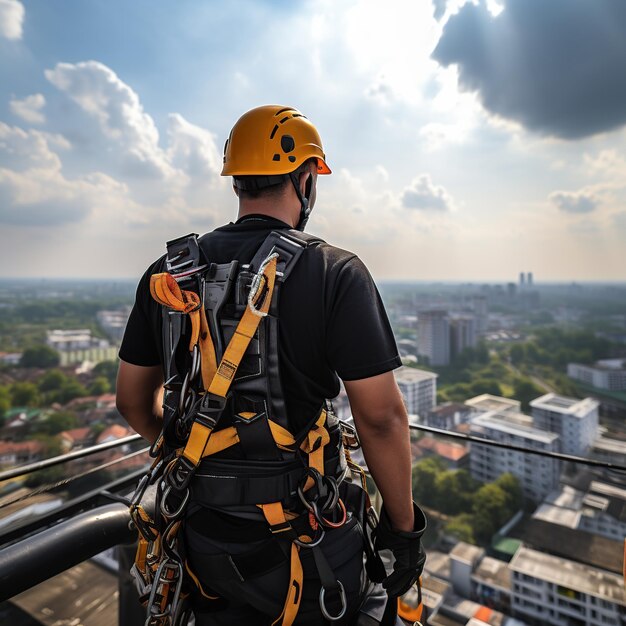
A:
{"points": [[331, 318]]}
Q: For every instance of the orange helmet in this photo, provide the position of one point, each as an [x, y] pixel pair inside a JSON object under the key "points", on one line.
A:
{"points": [[272, 140]]}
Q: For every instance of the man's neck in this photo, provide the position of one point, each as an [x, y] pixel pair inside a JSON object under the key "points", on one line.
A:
{"points": [[257, 208]]}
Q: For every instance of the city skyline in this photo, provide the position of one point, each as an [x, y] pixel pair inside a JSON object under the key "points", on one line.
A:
{"points": [[464, 141]]}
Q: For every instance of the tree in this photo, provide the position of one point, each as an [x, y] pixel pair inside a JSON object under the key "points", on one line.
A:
{"points": [[40, 356], [5, 402], [517, 353], [485, 385], [108, 369], [490, 511], [70, 390], [513, 492], [99, 386], [461, 527], [52, 447], [424, 477], [525, 390], [58, 422], [52, 380], [24, 394]]}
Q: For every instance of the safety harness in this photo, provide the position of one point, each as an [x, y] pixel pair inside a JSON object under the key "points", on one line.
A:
{"points": [[222, 390]]}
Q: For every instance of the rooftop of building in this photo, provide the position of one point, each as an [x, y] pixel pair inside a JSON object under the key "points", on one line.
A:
{"points": [[500, 422], [494, 573], [564, 405], [610, 364], [570, 543], [467, 553], [449, 451], [569, 574], [438, 564], [449, 409], [406, 374], [606, 444], [489, 402]]}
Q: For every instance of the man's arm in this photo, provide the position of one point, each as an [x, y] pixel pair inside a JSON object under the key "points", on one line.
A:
{"points": [[382, 423], [139, 391]]}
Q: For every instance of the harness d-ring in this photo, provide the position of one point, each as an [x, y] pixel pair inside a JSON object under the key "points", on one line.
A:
{"points": [[179, 510], [312, 544], [344, 604], [344, 516]]}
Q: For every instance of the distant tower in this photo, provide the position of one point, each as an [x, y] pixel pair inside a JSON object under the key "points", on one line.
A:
{"points": [[529, 279], [522, 280], [433, 336]]}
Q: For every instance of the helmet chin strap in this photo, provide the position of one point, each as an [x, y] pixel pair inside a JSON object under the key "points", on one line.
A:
{"points": [[305, 209]]}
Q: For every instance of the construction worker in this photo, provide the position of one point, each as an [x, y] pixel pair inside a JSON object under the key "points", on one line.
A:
{"points": [[331, 325]]}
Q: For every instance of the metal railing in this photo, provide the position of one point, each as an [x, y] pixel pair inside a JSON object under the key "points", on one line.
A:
{"points": [[68, 536]]}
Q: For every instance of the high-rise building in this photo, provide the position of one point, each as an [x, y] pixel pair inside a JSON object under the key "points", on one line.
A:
{"points": [[574, 420], [522, 280], [529, 279], [419, 389], [481, 313], [462, 333], [433, 336], [537, 475]]}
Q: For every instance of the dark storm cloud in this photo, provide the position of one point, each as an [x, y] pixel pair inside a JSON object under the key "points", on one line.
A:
{"points": [[574, 201], [558, 67]]}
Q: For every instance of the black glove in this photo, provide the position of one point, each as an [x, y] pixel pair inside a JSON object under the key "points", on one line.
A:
{"points": [[407, 550]]}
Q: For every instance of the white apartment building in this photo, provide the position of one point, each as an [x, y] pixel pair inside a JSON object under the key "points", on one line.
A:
{"points": [[601, 510], [552, 591], [419, 389], [609, 374], [575, 421], [488, 402], [433, 337], [538, 475]]}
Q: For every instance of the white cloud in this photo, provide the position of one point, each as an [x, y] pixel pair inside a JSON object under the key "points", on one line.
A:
{"points": [[422, 194], [28, 149], [11, 19], [192, 149], [575, 202], [29, 109], [100, 93]]}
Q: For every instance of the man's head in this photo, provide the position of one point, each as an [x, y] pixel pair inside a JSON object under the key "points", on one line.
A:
{"points": [[274, 155]]}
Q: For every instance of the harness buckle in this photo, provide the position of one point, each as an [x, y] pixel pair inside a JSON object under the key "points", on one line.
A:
{"points": [[180, 474], [349, 436]]}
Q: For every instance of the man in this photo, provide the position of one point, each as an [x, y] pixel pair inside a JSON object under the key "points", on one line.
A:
{"points": [[331, 324]]}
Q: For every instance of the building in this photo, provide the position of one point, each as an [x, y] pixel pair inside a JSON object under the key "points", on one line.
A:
{"points": [[77, 346], [601, 510], [575, 421], [529, 279], [538, 475], [419, 389], [454, 455], [14, 453], [113, 323], [433, 337], [488, 402], [609, 374], [481, 313], [462, 333], [447, 416], [548, 590]]}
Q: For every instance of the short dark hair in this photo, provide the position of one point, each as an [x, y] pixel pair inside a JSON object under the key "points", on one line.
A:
{"points": [[267, 186]]}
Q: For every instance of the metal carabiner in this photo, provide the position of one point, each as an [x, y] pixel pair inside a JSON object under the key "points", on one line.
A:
{"points": [[344, 603], [312, 544], [165, 511]]}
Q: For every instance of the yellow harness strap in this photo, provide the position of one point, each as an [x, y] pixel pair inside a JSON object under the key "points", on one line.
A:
{"points": [[276, 518], [316, 439], [257, 308]]}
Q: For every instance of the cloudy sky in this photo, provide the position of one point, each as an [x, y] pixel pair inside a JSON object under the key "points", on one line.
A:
{"points": [[468, 140]]}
